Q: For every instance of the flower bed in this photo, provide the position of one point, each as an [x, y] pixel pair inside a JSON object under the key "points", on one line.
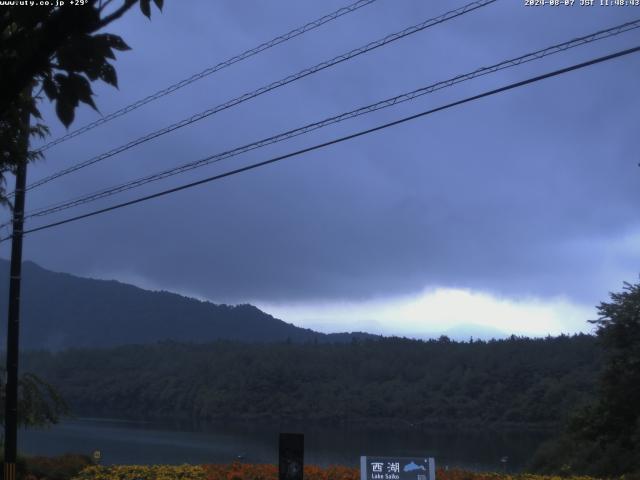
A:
{"points": [[143, 472], [242, 471]]}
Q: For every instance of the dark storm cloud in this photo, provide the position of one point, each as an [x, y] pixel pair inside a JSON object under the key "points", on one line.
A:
{"points": [[520, 194]]}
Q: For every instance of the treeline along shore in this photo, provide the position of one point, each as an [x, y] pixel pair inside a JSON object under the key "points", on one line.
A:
{"points": [[520, 382]]}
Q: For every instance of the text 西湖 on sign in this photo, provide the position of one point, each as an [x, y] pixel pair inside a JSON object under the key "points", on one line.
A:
{"points": [[397, 468]]}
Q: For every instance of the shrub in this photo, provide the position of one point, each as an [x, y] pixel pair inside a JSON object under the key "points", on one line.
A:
{"points": [[62, 467]]}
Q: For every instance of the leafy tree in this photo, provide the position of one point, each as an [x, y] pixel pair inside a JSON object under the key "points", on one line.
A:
{"points": [[39, 404], [60, 51], [618, 408], [604, 438]]}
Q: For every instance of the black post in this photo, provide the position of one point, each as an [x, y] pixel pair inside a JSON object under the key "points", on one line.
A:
{"points": [[13, 328], [291, 456]]}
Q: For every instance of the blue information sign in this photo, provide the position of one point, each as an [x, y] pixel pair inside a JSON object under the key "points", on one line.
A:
{"points": [[397, 468]]}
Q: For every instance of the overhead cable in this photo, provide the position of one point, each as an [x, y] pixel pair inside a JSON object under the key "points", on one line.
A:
{"points": [[267, 88], [211, 70], [338, 140], [536, 55]]}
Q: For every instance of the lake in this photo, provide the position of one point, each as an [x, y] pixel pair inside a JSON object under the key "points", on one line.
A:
{"points": [[129, 442]]}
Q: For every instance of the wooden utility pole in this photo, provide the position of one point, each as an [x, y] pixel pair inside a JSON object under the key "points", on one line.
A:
{"points": [[13, 328]]}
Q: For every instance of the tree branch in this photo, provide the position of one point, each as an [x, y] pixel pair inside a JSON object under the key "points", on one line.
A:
{"points": [[117, 14], [105, 4]]}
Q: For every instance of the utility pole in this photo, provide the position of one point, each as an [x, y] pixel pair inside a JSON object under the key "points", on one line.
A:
{"points": [[13, 328]]}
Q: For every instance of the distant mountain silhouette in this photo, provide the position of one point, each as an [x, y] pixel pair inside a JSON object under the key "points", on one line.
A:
{"points": [[60, 310]]}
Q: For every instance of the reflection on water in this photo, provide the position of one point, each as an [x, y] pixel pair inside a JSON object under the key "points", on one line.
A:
{"points": [[127, 442]]}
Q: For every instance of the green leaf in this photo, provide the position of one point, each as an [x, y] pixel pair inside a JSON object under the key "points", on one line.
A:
{"points": [[50, 88], [84, 52], [82, 89], [113, 41], [108, 74], [93, 70], [65, 112], [33, 110], [73, 89], [145, 7], [102, 47], [67, 92], [39, 130]]}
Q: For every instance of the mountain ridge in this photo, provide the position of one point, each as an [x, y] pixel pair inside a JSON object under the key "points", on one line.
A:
{"points": [[60, 310]]}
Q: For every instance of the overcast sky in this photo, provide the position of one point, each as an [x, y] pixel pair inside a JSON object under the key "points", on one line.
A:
{"points": [[516, 213]]}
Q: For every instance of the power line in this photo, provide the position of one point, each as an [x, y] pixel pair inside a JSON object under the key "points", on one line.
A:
{"points": [[339, 140], [536, 55], [209, 71], [272, 86]]}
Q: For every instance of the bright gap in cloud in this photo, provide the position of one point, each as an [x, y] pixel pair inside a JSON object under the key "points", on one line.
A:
{"points": [[455, 312]]}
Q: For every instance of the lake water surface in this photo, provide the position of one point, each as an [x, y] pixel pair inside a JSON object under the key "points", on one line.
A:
{"points": [[127, 442]]}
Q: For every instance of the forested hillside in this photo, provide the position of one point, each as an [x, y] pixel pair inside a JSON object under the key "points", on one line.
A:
{"points": [[519, 381], [61, 311]]}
